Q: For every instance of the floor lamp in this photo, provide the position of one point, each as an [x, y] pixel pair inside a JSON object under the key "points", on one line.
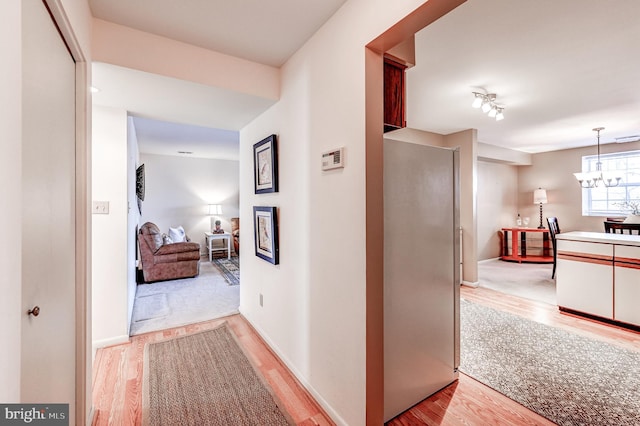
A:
{"points": [[540, 197]]}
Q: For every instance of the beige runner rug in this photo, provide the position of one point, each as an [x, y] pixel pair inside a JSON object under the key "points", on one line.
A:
{"points": [[205, 379]]}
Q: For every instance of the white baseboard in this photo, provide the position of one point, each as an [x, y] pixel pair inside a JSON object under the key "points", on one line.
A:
{"points": [[97, 344], [489, 260], [92, 413], [319, 399], [471, 284]]}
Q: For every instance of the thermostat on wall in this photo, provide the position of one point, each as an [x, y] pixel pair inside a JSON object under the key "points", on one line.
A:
{"points": [[333, 159]]}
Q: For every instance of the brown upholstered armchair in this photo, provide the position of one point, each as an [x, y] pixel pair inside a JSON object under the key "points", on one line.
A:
{"points": [[235, 231], [166, 261]]}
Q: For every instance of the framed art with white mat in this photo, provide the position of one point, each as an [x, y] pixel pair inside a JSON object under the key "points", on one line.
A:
{"points": [[265, 224]]}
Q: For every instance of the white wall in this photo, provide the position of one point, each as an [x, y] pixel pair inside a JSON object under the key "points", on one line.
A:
{"points": [[133, 216], [494, 153], [130, 48], [178, 191], [11, 195], [497, 205], [109, 231], [314, 309]]}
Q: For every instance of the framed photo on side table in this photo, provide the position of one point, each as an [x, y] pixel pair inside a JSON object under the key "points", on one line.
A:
{"points": [[265, 165], [265, 224]]}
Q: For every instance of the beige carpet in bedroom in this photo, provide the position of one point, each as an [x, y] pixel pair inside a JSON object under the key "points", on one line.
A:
{"points": [[169, 304]]}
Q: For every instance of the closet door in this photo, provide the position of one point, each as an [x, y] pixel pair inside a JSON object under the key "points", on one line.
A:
{"points": [[48, 372]]}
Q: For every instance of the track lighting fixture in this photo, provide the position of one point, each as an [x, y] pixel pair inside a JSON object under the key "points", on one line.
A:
{"points": [[487, 102], [477, 101]]}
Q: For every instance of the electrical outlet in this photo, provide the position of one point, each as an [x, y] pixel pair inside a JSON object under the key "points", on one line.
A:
{"points": [[100, 207], [260, 299]]}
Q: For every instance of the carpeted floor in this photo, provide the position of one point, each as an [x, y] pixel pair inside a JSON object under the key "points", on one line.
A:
{"points": [[528, 280], [168, 304], [205, 379], [567, 378]]}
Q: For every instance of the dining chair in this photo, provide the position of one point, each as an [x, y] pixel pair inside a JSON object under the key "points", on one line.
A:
{"points": [[554, 229]]}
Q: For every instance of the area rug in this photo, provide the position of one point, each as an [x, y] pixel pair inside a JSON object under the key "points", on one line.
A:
{"points": [[567, 378], [230, 268], [168, 304], [151, 306], [528, 280], [205, 379]]}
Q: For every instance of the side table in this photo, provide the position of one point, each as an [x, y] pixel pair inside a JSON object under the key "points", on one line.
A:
{"points": [[210, 236], [520, 255]]}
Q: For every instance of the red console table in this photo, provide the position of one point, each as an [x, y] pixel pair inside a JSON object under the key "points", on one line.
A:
{"points": [[518, 251]]}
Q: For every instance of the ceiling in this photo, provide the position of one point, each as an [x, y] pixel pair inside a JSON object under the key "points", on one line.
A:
{"points": [[172, 115], [267, 32], [559, 69]]}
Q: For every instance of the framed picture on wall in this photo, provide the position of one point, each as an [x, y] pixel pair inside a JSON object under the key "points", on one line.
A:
{"points": [[265, 224], [265, 165], [140, 186]]}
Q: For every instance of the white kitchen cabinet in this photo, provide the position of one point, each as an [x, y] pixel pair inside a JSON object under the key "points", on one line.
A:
{"points": [[584, 280], [599, 274], [627, 284]]}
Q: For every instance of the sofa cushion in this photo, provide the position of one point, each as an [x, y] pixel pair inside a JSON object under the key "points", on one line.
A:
{"points": [[177, 235], [166, 239]]}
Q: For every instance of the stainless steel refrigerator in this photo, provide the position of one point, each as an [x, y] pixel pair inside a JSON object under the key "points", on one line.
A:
{"points": [[421, 272]]}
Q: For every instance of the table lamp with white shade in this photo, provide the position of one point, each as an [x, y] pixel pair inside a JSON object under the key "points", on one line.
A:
{"points": [[540, 197]]}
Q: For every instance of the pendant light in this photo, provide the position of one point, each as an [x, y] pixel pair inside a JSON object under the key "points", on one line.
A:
{"points": [[592, 179]]}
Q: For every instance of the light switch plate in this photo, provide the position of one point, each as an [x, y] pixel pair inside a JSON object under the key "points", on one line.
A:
{"points": [[100, 207]]}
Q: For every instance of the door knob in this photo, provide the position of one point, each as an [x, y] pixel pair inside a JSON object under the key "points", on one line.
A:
{"points": [[35, 311]]}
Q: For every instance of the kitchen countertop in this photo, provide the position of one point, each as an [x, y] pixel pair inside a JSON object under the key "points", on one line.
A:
{"points": [[600, 237]]}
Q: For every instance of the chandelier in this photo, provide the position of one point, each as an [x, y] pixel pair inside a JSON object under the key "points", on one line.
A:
{"points": [[592, 179], [487, 102]]}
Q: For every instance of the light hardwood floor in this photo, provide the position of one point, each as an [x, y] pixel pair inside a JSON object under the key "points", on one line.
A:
{"points": [[118, 373], [117, 378]]}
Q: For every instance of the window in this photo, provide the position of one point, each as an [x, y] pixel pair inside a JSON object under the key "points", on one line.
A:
{"points": [[603, 201]]}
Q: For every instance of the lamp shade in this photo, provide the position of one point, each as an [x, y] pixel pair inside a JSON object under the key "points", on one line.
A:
{"points": [[540, 196], [215, 209]]}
